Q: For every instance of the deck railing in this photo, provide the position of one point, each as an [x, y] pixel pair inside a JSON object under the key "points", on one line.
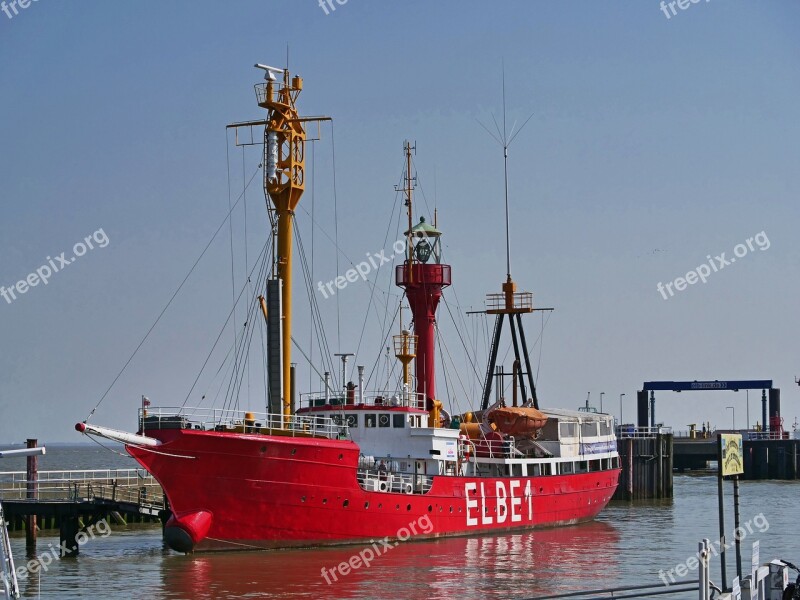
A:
{"points": [[378, 480], [216, 419], [388, 399]]}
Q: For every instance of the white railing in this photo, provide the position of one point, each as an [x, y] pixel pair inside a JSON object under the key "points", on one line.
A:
{"points": [[698, 434], [216, 419], [377, 480], [389, 399], [522, 301], [9, 574], [135, 486], [261, 92], [629, 431], [765, 435], [484, 447]]}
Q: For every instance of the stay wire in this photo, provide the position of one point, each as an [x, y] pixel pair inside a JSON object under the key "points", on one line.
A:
{"points": [[372, 288], [375, 365], [336, 234], [230, 229], [230, 314], [164, 310], [243, 344], [322, 338]]}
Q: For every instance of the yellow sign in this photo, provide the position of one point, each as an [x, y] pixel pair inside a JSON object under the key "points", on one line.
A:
{"points": [[732, 462]]}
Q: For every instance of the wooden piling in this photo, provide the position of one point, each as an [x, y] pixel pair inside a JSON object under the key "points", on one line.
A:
{"points": [[646, 467], [68, 533], [31, 493], [771, 459]]}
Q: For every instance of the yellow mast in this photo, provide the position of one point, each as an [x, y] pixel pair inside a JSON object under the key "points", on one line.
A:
{"points": [[405, 349], [284, 181]]}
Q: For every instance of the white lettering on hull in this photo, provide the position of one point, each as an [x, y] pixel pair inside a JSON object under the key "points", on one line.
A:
{"points": [[485, 518], [508, 498], [471, 503]]}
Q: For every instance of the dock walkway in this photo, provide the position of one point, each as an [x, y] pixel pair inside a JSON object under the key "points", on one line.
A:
{"points": [[69, 500]]}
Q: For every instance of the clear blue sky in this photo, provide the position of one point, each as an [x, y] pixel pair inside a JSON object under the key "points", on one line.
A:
{"points": [[655, 142]]}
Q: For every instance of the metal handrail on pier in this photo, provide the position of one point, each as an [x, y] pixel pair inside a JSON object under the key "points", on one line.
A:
{"points": [[630, 591], [9, 573], [629, 431], [130, 486]]}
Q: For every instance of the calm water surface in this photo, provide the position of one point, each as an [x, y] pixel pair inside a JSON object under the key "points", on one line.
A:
{"points": [[627, 545]]}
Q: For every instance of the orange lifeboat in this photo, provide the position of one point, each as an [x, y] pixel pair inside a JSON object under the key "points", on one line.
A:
{"points": [[517, 420]]}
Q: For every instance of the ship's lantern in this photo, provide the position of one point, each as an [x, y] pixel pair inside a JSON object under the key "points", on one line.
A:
{"points": [[424, 239]]}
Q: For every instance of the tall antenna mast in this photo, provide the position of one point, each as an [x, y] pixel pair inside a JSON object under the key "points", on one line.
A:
{"points": [[408, 189], [509, 303], [505, 138], [505, 173]]}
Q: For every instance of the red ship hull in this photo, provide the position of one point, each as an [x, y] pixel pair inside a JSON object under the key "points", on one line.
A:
{"points": [[245, 491]]}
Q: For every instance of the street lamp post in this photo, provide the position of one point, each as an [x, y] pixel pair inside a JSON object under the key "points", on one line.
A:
{"points": [[733, 417], [620, 408], [601, 400], [747, 425]]}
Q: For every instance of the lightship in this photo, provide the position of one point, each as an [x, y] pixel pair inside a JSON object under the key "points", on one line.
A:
{"points": [[350, 465]]}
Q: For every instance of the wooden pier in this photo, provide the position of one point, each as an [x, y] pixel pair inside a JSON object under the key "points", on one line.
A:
{"points": [[766, 455], [771, 458], [71, 501]]}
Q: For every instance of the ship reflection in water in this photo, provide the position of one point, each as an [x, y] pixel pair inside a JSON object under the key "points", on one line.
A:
{"points": [[522, 565]]}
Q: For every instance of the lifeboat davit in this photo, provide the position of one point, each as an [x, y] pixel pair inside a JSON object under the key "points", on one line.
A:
{"points": [[517, 420]]}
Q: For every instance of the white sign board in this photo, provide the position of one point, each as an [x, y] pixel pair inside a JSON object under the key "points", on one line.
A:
{"points": [[756, 558]]}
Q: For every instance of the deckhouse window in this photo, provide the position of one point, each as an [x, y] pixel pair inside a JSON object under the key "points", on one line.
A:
{"points": [[370, 420], [589, 429], [352, 420], [383, 420], [568, 430], [398, 421]]}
